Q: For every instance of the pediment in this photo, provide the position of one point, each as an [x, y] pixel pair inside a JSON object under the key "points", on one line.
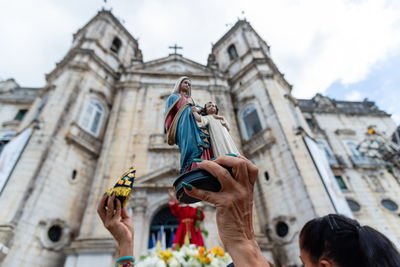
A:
{"points": [[176, 64], [164, 176]]}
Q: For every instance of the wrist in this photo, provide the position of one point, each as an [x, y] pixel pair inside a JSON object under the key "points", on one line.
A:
{"points": [[247, 253], [125, 249]]}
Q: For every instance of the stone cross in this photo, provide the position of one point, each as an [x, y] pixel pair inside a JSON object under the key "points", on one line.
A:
{"points": [[175, 47]]}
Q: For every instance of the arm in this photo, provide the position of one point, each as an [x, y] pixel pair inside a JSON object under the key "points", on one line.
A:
{"points": [[118, 223], [196, 114], [234, 205]]}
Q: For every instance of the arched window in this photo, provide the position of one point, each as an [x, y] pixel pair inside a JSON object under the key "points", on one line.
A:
{"points": [[163, 227], [92, 117], [232, 52], [116, 45], [251, 121]]}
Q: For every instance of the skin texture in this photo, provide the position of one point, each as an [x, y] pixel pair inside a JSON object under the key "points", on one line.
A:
{"points": [[117, 221], [234, 206]]}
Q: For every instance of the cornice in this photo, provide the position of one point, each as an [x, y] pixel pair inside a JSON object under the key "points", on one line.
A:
{"points": [[85, 66]]}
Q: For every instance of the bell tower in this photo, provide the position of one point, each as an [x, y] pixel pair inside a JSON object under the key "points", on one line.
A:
{"points": [[48, 189], [272, 128]]}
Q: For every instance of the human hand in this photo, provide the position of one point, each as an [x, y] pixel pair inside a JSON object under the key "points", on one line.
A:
{"points": [[194, 109], [117, 221], [234, 205], [171, 193]]}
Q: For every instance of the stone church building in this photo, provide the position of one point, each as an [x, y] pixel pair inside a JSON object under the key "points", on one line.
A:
{"points": [[101, 112]]}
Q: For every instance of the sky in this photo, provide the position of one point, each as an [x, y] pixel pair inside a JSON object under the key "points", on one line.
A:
{"points": [[347, 50]]}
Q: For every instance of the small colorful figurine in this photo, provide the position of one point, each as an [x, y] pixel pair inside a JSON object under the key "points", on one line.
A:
{"points": [[122, 189]]}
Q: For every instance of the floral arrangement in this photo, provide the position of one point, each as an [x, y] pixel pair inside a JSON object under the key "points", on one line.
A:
{"points": [[186, 256]]}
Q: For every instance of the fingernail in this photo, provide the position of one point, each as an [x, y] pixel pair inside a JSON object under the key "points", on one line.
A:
{"points": [[112, 193], [197, 160], [187, 186], [231, 154], [105, 193], [213, 158]]}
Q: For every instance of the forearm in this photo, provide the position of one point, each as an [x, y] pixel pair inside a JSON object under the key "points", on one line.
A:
{"points": [[247, 253]]}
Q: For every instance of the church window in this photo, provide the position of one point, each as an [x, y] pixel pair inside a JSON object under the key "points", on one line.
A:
{"points": [[5, 137], [163, 227], [232, 52], [73, 175], [92, 117], [389, 204], [55, 233], [340, 182], [21, 114], [353, 205], [251, 121], [266, 175], [322, 144], [116, 45], [282, 229], [310, 124]]}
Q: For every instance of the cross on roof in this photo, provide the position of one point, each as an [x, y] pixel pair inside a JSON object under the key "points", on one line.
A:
{"points": [[175, 47]]}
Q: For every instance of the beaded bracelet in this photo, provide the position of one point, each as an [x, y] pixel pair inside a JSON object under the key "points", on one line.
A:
{"points": [[130, 263]]}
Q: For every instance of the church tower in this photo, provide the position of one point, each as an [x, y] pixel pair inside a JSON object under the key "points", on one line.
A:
{"points": [[272, 130], [45, 196]]}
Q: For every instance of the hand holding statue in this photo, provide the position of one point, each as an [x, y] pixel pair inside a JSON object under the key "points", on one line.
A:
{"points": [[234, 204]]}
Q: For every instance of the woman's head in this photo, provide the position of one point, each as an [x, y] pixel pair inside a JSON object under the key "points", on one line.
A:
{"points": [[183, 86], [340, 241], [210, 108]]}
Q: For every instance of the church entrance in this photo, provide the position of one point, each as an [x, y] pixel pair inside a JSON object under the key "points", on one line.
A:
{"points": [[162, 228]]}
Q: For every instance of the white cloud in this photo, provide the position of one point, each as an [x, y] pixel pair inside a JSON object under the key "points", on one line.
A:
{"points": [[353, 96], [313, 42]]}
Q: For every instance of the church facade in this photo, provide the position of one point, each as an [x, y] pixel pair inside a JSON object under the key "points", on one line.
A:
{"points": [[101, 112]]}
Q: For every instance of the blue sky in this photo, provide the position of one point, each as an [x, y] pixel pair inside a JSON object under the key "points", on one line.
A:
{"points": [[346, 49], [381, 85]]}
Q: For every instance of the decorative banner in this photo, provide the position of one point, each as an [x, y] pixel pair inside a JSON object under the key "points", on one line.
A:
{"points": [[328, 179], [10, 155]]}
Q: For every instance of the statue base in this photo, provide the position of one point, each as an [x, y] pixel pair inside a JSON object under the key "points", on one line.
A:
{"points": [[200, 179]]}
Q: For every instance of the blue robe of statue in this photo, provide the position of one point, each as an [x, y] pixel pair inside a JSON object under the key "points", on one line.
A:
{"points": [[182, 129]]}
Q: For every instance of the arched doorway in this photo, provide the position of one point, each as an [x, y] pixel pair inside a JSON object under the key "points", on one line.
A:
{"points": [[163, 227]]}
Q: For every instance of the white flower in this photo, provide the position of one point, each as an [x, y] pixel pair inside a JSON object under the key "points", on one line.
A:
{"points": [[173, 262], [187, 256], [193, 263]]}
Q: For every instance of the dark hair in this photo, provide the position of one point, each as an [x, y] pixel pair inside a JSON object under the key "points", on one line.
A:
{"points": [[205, 110], [348, 244]]}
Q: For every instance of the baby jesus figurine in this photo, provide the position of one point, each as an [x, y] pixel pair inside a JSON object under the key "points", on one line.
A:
{"points": [[221, 141]]}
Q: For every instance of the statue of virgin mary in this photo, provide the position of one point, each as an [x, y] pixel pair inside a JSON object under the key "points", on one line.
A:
{"points": [[182, 129]]}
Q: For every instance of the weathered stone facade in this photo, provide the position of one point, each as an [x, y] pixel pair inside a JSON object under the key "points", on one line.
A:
{"points": [[102, 112]]}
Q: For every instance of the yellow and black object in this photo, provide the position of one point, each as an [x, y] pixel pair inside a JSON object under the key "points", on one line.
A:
{"points": [[122, 189]]}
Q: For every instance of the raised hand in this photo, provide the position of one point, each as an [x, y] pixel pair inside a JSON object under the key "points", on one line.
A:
{"points": [[117, 221], [234, 204]]}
